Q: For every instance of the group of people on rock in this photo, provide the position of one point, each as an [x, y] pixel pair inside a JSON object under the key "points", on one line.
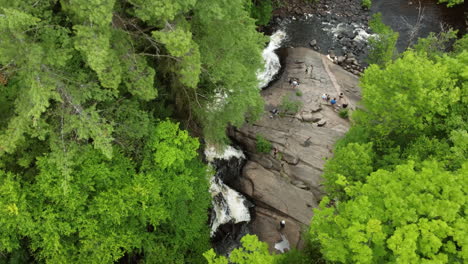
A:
{"points": [[334, 102]]}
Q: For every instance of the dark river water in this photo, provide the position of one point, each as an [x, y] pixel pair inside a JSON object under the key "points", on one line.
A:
{"points": [[402, 16]]}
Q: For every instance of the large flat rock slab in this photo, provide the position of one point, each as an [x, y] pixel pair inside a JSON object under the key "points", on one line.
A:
{"points": [[276, 192], [287, 184]]}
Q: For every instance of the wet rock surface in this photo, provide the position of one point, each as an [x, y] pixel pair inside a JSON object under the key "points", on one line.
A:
{"points": [[286, 184]]}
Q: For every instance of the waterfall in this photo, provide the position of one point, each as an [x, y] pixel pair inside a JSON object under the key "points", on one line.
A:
{"points": [[272, 63], [229, 206]]}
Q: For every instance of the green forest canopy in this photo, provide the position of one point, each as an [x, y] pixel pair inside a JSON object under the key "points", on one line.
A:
{"points": [[91, 171]]}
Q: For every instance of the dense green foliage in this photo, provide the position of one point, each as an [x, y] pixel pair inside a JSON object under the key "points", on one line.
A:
{"points": [[343, 113], [397, 182], [451, 3], [366, 4], [406, 215], [254, 251], [88, 172], [289, 106], [261, 10], [262, 144], [92, 170], [382, 43], [435, 44], [85, 208]]}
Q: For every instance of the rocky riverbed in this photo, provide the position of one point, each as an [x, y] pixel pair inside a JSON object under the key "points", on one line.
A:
{"points": [[287, 185], [334, 27], [340, 29]]}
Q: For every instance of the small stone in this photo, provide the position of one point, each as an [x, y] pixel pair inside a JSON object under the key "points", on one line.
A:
{"points": [[351, 61], [290, 159], [313, 43], [321, 123], [340, 59], [350, 55], [300, 184]]}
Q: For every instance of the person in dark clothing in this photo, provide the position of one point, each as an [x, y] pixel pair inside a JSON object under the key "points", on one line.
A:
{"points": [[282, 224]]}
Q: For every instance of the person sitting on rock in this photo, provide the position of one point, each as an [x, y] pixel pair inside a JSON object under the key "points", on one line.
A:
{"points": [[333, 101], [325, 97], [343, 101]]}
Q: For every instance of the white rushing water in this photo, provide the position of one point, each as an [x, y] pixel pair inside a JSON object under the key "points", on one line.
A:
{"points": [[360, 30], [272, 63], [211, 153], [229, 206]]}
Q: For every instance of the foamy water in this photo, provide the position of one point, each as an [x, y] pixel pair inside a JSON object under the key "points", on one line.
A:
{"points": [[272, 62], [229, 206]]}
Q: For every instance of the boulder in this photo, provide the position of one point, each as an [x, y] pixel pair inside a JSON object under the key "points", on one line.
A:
{"points": [[307, 117], [340, 59], [313, 43], [311, 117], [289, 157], [315, 107], [317, 117]]}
